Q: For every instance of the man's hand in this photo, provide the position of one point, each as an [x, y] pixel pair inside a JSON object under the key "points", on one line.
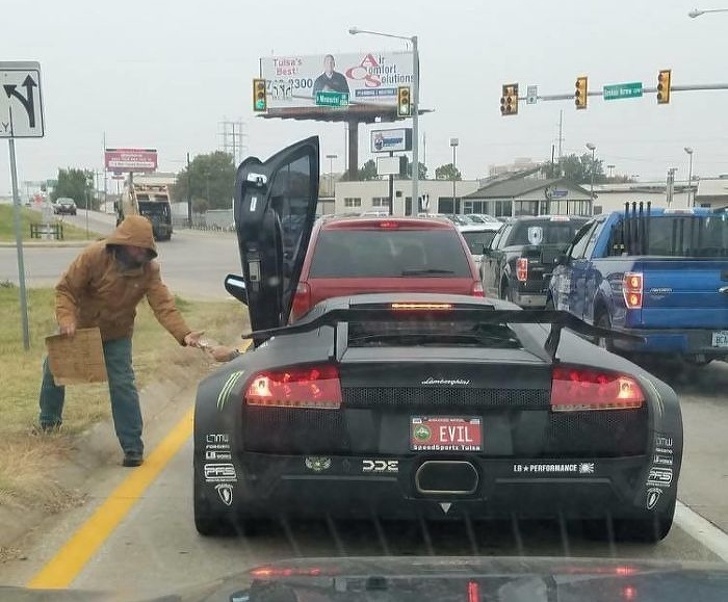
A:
{"points": [[68, 329], [222, 353], [193, 339]]}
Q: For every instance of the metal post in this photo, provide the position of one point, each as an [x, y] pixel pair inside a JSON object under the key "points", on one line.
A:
{"points": [[691, 194], [593, 169], [391, 190], [189, 195], [415, 121], [19, 240]]}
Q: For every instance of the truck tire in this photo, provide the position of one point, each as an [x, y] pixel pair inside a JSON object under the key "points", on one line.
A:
{"points": [[603, 321]]}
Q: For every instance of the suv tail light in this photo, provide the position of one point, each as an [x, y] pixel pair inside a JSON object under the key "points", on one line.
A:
{"points": [[632, 290], [522, 269], [301, 301], [477, 289], [576, 389], [308, 387]]}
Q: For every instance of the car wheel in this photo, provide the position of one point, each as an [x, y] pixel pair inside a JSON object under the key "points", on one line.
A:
{"points": [[603, 321]]}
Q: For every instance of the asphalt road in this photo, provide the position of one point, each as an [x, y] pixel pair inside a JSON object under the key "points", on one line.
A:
{"points": [[194, 263]]}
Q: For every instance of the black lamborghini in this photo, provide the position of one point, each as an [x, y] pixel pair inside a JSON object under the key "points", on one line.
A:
{"points": [[418, 406]]}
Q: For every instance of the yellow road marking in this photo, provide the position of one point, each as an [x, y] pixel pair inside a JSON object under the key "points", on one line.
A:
{"points": [[60, 571], [69, 561]]}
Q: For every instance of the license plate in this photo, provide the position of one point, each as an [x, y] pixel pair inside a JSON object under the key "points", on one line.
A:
{"points": [[446, 433], [720, 339]]}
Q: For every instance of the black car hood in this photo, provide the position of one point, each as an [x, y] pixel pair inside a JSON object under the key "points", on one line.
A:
{"points": [[421, 579]]}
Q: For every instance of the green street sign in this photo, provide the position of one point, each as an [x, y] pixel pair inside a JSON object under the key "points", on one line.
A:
{"points": [[617, 91], [332, 99]]}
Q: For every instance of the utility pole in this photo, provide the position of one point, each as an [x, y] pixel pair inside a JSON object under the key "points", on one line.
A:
{"points": [[189, 195], [670, 185], [561, 132]]}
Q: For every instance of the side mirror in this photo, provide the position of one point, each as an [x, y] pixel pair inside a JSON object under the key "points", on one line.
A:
{"points": [[235, 286], [487, 250], [562, 259]]}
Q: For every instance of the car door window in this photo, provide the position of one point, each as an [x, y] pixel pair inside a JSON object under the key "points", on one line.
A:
{"points": [[504, 237], [593, 237], [581, 239]]}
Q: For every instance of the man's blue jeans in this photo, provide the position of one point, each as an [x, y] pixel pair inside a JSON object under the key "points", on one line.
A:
{"points": [[122, 390]]}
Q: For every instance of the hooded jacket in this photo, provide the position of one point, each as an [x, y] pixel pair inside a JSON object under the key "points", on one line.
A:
{"points": [[97, 290]]}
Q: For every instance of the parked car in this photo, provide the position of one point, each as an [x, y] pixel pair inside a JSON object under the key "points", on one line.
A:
{"points": [[659, 273], [518, 264], [478, 238], [481, 218], [64, 206]]}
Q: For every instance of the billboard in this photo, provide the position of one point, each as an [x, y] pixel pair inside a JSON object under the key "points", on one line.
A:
{"points": [[369, 78], [130, 159], [391, 141]]}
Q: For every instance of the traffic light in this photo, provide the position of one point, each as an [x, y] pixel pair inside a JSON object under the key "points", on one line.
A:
{"points": [[663, 86], [260, 99], [580, 94], [509, 100], [404, 101]]}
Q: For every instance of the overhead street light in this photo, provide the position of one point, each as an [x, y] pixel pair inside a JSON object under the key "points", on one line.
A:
{"points": [[415, 104], [695, 13]]}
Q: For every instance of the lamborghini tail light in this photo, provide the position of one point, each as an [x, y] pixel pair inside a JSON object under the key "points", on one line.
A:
{"points": [[522, 269], [632, 289], [304, 387], [301, 301], [576, 389]]}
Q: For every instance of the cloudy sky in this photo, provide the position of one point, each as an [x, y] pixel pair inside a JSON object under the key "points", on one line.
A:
{"points": [[162, 74]]}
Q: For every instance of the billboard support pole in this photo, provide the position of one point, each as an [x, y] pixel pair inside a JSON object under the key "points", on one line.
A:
{"points": [[391, 190], [353, 150], [415, 121]]}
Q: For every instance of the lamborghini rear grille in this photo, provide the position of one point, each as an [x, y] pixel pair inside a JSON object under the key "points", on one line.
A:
{"points": [[438, 398], [284, 430], [606, 433]]}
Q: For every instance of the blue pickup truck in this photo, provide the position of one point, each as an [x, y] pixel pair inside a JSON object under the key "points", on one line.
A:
{"points": [[659, 273]]}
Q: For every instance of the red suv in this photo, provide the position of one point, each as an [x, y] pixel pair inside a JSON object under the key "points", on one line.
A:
{"points": [[350, 255]]}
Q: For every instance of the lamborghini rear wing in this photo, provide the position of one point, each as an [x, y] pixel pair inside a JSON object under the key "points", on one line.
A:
{"points": [[397, 311]]}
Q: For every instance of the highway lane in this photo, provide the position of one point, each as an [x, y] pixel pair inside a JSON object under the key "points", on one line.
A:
{"points": [[156, 547]]}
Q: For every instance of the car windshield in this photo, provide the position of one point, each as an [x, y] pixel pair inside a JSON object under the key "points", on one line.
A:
{"points": [[478, 240], [388, 253]]}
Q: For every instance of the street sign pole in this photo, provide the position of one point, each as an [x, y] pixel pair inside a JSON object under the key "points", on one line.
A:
{"points": [[17, 224]]}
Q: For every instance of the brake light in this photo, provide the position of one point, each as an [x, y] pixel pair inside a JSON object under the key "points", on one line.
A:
{"points": [[389, 225], [632, 290], [421, 306], [477, 290], [301, 300], [576, 389], [522, 269], [310, 387]]}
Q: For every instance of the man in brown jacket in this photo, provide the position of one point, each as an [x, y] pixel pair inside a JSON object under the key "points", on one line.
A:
{"points": [[102, 288]]}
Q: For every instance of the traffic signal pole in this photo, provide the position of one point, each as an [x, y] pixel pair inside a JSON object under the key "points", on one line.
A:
{"points": [[652, 90]]}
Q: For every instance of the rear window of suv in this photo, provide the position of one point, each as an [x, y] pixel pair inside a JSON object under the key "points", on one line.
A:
{"points": [[389, 254], [554, 232]]}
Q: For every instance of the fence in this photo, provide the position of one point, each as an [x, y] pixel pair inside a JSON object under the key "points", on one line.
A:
{"points": [[220, 220]]}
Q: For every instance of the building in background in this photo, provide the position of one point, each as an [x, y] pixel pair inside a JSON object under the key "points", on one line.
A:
{"points": [[712, 192], [612, 197]]}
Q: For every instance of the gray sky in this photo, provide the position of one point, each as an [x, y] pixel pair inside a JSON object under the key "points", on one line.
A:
{"points": [[162, 74]]}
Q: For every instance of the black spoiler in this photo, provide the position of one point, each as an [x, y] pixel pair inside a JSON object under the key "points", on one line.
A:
{"points": [[484, 314]]}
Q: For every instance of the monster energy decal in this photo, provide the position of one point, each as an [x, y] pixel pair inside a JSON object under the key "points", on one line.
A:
{"points": [[224, 395]]}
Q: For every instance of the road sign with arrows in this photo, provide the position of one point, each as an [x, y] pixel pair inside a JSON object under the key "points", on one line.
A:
{"points": [[21, 106]]}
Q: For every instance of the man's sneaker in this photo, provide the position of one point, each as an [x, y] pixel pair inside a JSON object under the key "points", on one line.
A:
{"points": [[132, 459]]}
